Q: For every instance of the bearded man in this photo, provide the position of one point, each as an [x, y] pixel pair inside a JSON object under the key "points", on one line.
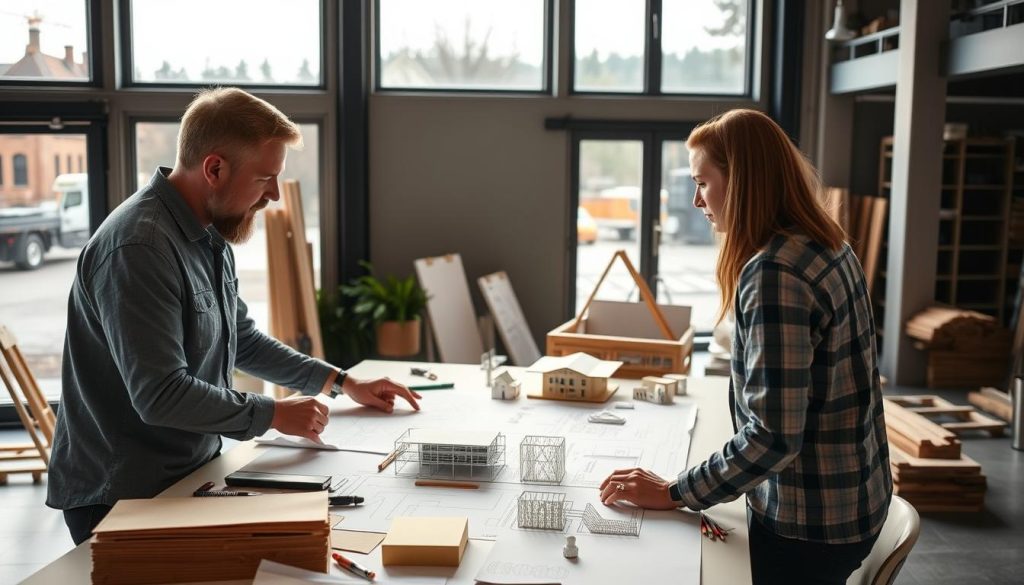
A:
{"points": [[156, 326]]}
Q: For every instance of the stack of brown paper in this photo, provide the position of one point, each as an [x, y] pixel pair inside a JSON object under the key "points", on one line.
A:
{"points": [[432, 541], [173, 540]]}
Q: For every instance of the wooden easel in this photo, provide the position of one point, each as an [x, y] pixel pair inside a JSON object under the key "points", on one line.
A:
{"points": [[35, 414]]}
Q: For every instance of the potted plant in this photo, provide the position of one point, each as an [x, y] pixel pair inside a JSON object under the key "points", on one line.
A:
{"points": [[393, 307], [348, 339]]}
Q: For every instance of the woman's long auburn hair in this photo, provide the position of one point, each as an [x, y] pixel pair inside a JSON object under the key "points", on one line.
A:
{"points": [[771, 189]]}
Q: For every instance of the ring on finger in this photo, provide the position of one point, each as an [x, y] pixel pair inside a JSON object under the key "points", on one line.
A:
{"points": [[620, 487]]}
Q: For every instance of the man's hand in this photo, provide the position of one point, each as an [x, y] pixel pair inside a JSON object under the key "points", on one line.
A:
{"points": [[639, 486], [302, 416], [379, 393]]}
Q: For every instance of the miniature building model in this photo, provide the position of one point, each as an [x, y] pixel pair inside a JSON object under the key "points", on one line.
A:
{"points": [[505, 387], [655, 389], [680, 383], [600, 525], [542, 510], [452, 454], [576, 377], [542, 459]]}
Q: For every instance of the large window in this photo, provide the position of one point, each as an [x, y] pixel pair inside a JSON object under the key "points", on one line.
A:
{"points": [[667, 47], [155, 146], [635, 193], [243, 42], [44, 41], [45, 220], [492, 45]]}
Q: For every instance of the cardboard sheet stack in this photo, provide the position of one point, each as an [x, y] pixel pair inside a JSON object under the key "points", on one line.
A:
{"points": [[174, 540], [965, 348], [928, 469]]}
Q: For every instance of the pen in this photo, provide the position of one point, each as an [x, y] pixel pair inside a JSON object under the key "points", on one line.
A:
{"points": [[344, 500], [221, 493], [352, 566]]}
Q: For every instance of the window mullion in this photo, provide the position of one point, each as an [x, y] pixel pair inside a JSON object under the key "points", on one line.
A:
{"points": [[652, 84]]}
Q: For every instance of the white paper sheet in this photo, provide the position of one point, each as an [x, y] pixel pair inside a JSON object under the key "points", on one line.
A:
{"points": [[271, 573], [669, 544]]}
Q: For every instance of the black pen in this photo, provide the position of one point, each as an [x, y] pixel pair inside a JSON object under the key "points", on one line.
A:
{"points": [[220, 493], [344, 500]]}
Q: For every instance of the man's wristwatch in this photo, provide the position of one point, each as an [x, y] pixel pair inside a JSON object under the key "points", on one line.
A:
{"points": [[674, 494], [336, 386]]}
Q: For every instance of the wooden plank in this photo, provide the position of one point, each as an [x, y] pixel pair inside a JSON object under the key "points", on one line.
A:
{"points": [[917, 435], [992, 404], [310, 322], [875, 234]]}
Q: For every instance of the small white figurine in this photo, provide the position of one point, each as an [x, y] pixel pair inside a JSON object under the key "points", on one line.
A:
{"points": [[570, 551]]}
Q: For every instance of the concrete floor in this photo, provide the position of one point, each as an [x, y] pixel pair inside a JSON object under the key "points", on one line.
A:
{"points": [[985, 548]]}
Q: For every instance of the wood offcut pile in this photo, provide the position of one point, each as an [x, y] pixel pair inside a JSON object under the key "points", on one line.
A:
{"points": [[864, 219], [965, 348], [928, 469]]}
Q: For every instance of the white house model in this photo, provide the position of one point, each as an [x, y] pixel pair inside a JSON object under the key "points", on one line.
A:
{"points": [[655, 389], [576, 377], [505, 387]]}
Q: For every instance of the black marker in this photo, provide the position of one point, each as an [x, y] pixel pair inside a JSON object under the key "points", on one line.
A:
{"points": [[344, 500]]}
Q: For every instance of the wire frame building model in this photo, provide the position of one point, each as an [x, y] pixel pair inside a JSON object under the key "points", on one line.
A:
{"points": [[597, 524], [450, 454], [542, 510], [542, 459]]}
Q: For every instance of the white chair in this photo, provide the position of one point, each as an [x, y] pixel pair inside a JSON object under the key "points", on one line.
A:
{"points": [[899, 534]]}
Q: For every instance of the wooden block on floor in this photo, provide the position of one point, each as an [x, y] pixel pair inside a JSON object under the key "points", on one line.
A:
{"points": [[992, 401], [917, 435]]}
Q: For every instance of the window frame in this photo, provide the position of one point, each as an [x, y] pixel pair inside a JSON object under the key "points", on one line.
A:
{"points": [[93, 40], [653, 56], [127, 61], [23, 159], [547, 64]]}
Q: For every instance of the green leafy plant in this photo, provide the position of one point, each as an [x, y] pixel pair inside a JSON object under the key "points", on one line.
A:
{"points": [[347, 338], [390, 299]]}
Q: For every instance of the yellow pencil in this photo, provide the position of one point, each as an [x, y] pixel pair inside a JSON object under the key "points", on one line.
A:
{"points": [[387, 461]]}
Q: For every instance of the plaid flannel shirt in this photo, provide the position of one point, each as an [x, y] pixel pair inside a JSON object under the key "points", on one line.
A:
{"points": [[810, 449]]}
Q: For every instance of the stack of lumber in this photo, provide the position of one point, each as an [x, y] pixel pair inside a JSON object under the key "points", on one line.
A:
{"points": [[938, 485], [294, 319], [175, 540], [965, 348], [928, 469]]}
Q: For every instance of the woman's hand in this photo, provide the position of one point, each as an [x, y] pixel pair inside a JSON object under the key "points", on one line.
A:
{"points": [[379, 393], [639, 487]]}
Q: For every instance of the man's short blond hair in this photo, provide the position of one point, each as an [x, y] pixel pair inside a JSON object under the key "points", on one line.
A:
{"points": [[228, 121]]}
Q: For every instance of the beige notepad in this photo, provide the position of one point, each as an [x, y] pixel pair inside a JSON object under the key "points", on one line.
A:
{"points": [[433, 541], [359, 542]]}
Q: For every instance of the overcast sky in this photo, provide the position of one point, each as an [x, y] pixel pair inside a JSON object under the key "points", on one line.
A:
{"points": [[197, 33]]}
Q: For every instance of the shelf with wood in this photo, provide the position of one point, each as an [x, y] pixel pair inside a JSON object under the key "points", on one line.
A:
{"points": [[974, 265]]}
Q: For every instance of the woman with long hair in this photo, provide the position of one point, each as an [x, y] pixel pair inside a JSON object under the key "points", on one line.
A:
{"points": [[810, 449]]}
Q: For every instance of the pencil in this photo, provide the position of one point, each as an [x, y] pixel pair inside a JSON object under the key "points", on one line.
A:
{"points": [[466, 485], [387, 461]]}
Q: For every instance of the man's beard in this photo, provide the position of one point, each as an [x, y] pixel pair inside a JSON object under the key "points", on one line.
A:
{"points": [[236, 229]]}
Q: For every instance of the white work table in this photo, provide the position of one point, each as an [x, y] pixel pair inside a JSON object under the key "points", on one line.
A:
{"points": [[722, 563]]}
